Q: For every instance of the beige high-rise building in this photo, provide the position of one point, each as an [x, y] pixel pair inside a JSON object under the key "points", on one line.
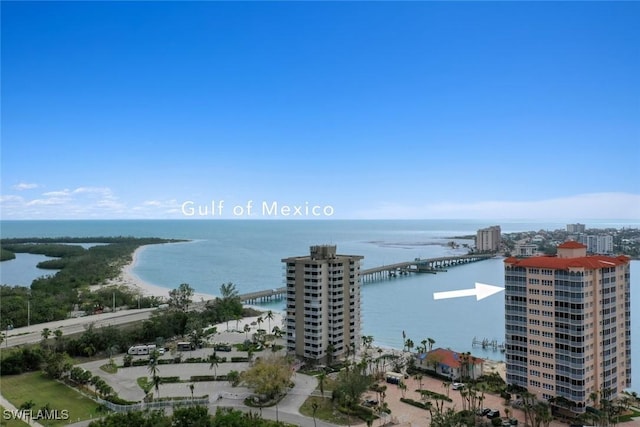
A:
{"points": [[568, 326], [488, 239], [323, 304]]}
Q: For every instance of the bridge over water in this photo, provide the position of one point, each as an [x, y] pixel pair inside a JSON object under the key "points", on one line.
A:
{"points": [[418, 265]]}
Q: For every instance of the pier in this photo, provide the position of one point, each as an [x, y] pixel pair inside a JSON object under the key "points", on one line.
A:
{"points": [[263, 296], [419, 265]]}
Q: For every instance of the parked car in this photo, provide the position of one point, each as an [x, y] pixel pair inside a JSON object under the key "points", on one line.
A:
{"points": [[457, 386], [494, 413]]}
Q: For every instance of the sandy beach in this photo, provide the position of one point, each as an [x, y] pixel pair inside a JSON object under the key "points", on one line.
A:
{"points": [[129, 279]]}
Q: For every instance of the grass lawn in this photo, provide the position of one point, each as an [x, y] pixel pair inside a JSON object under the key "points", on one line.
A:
{"points": [[10, 423], [35, 386], [326, 411]]}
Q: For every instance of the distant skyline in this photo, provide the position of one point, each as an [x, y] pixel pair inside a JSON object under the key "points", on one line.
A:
{"points": [[367, 110]]}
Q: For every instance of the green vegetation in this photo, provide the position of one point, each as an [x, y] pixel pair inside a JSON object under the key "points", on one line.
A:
{"points": [[12, 422], [323, 409], [53, 297], [44, 392], [196, 416], [6, 255]]}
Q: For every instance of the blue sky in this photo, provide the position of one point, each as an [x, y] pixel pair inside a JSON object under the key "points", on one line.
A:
{"points": [[377, 110]]}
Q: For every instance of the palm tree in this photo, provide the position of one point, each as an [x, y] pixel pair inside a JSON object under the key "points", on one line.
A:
{"points": [[191, 387], [247, 329], [330, 350], [403, 388], [46, 333], [156, 384], [321, 379], [431, 343], [238, 318], [259, 320], [153, 363], [57, 334], [424, 345], [419, 379], [277, 332], [269, 317], [409, 344], [314, 408], [214, 360]]}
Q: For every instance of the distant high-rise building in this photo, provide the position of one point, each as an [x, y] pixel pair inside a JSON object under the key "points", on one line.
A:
{"points": [[575, 228], [597, 244], [488, 239], [323, 304], [567, 322]]}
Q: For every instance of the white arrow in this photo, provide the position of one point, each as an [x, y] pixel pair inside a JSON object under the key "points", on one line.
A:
{"points": [[481, 291]]}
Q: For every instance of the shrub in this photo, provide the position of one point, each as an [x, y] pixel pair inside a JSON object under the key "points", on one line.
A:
{"points": [[414, 403]]}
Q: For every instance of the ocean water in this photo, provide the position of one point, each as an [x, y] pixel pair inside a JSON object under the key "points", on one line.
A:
{"points": [[249, 254]]}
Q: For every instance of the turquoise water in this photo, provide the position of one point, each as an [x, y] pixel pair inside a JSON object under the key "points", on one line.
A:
{"points": [[249, 253]]}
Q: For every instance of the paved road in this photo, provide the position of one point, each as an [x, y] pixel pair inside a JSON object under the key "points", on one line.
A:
{"points": [[32, 334]]}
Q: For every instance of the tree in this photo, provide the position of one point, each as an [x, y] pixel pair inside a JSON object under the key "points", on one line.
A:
{"points": [[214, 360], [247, 329], [269, 377], [431, 343], [322, 377], [234, 378], [180, 298], [269, 316], [403, 388], [196, 416], [259, 320], [45, 334], [409, 344], [156, 384], [314, 408], [350, 385], [57, 335]]}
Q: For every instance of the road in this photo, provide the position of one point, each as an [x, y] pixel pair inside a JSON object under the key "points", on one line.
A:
{"points": [[32, 334]]}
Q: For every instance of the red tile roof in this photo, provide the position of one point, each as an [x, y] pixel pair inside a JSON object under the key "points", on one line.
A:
{"points": [[451, 358], [571, 244], [592, 262]]}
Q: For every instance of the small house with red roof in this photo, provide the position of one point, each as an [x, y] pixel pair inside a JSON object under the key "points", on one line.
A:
{"points": [[452, 364]]}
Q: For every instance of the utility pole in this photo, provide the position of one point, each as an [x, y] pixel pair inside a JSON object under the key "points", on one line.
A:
{"points": [[114, 302]]}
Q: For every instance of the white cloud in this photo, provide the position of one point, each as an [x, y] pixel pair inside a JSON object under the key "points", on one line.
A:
{"points": [[25, 186], [589, 206]]}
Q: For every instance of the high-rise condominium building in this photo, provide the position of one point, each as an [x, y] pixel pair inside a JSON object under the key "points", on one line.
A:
{"points": [[597, 244], [488, 239], [323, 304], [568, 330], [575, 228]]}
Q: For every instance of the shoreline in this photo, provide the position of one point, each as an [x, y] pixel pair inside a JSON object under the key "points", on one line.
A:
{"points": [[128, 278]]}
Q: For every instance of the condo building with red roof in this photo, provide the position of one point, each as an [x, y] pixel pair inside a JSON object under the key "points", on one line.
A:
{"points": [[568, 324]]}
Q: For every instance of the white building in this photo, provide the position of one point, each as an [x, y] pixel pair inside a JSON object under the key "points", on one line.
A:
{"points": [[489, 239], [525, 249], [323, 304], [597, 244]]}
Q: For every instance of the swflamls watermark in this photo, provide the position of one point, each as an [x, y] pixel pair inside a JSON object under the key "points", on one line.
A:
{"points": [[36, 415]]}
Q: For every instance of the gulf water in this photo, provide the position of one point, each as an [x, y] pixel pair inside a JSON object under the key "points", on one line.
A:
{"points": [[249, 254]]}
